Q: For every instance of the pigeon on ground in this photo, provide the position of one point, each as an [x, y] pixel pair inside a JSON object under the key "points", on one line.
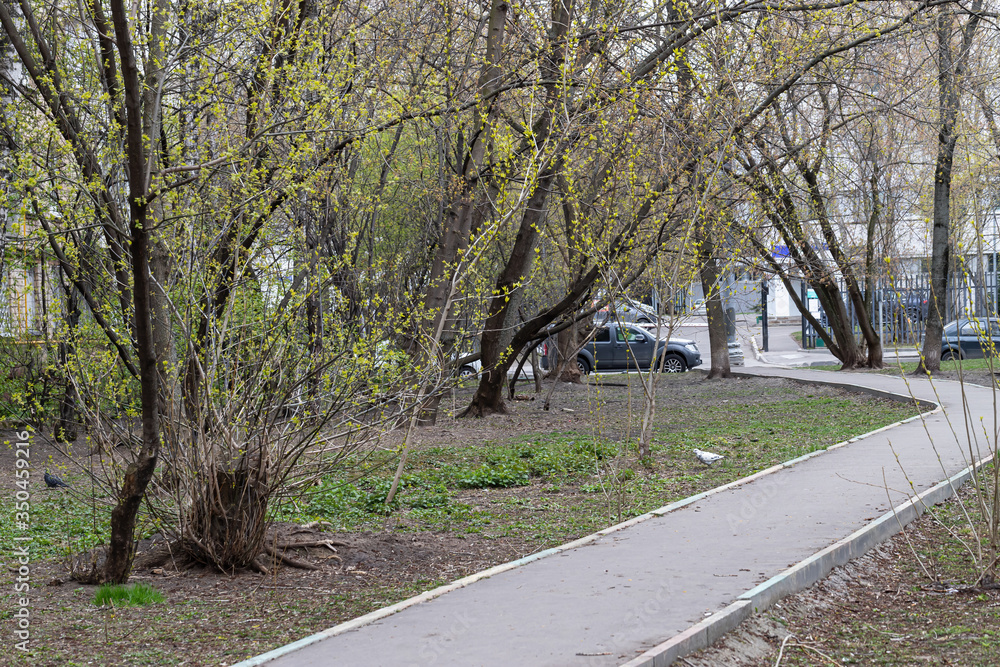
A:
{"points": [[708, 458], [54, 482]]}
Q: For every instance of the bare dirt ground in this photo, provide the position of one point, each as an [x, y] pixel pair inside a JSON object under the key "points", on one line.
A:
{"points": [[220, 618]]}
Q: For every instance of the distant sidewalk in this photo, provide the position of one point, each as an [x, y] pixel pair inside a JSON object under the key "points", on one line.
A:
{"points": [[784, 350]]}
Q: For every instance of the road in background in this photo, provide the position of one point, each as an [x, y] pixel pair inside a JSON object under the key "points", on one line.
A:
{"points": [[783, 350]]}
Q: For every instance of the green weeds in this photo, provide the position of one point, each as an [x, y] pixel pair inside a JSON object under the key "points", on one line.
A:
{"points": [[59, 521], [131, 594], [908, 367], [573, 483]]}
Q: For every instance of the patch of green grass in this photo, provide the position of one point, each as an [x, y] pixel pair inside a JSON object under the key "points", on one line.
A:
{"points": [[910, 366], [437, 473], [953, 366], [593, 481], [758, 436], [59, 521], [127, 594], [496, 476]]}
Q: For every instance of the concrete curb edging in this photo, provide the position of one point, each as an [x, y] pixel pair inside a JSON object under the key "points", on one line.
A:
{"points": [[696, 637], [384, 612], [801, 575]]}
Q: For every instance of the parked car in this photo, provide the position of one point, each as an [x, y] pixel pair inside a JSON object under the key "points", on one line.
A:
{"points": [[626, 311], [736, 356], [463, 348], [625, 347], [469, 370], [915, 302], [970, 339]]}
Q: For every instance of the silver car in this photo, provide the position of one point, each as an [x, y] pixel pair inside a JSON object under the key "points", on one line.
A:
{"points": [[626, 311]]}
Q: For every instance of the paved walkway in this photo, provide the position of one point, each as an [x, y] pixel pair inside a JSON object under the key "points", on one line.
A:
{"points": [[607, 602]]}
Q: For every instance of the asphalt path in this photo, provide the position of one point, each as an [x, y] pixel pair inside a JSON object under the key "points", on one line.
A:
{"points": [[604, 603]]}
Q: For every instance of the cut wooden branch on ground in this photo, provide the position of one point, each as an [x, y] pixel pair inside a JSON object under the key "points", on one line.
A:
{"points": [[288, 560]]}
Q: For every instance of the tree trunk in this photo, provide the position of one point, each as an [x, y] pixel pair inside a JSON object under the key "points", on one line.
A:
{"points": [[536, 371], [458, 221], [782, 213], [497, 354], [567, 346], [839, 319], [949, 71], [121, 548], [498, 329], [844, 323], [874, 219], [163, 330], [717, 335], [66, 426]]}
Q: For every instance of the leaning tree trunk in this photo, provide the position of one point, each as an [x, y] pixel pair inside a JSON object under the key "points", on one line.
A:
{"points": [[840, 317], [497, 353], [782, 212]]}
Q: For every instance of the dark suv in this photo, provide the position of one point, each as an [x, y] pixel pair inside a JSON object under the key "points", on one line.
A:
{"points": [[628, 347]]}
